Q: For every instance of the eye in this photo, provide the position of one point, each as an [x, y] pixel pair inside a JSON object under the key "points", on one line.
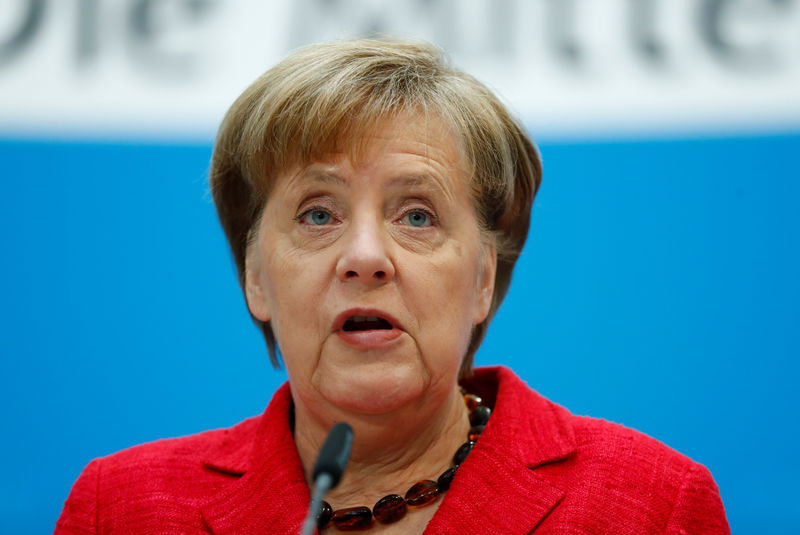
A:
{"points": [[316, 216], [417, 218]]}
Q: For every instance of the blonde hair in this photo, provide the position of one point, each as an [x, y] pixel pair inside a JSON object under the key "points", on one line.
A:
{"points": [[306, 105]]}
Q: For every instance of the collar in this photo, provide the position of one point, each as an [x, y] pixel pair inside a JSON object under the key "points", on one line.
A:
{"points": [[272, 495], [497, 489]]}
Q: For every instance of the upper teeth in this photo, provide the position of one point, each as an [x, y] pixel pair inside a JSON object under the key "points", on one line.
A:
{"points": [[361, 319]]}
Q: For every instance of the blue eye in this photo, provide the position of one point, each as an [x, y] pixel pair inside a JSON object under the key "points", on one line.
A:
{"points": [[417, 218], [316, 217]]}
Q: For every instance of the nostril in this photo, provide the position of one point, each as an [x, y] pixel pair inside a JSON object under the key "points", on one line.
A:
{"points": [[379, 276]]}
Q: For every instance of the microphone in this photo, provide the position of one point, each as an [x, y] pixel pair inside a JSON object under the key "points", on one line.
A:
{"points": [[328, 470]]}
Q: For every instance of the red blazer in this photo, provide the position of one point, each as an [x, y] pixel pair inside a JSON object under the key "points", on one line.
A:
{"points": [[536, 469]]}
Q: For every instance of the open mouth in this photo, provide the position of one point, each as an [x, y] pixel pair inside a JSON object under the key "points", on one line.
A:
{"points": [[366, 323]]}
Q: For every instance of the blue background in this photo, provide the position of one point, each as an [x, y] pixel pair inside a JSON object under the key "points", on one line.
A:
{"points": [[659, 288]]}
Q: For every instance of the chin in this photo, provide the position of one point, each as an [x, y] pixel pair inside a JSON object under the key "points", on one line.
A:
{"points": [[373, 388]]}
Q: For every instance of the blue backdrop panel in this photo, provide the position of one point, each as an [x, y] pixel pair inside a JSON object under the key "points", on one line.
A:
{"points": [[659, 288]]}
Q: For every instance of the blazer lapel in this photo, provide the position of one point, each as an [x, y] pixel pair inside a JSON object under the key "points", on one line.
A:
{"points": [[512, 500], [497, 489], [252, 505]]}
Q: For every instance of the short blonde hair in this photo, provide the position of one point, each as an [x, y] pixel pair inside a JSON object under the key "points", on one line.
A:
{"points": [[306, 105]]}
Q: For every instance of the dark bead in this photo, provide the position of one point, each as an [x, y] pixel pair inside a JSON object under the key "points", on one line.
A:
{"points": [[325, 515], [462, 453], [472, 401], [422, 493], [352, 518], [474, 432], [480, 415], [390, 509], [443, 483]]}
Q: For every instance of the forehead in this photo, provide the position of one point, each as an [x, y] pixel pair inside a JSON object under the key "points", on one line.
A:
{"points": [[404, 150], [425, 136]]}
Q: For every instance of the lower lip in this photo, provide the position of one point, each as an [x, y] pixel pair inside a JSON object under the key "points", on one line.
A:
{"points": [[369, 339]]}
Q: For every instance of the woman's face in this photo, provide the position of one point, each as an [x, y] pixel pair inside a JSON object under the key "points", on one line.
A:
{"points": [[373, 272]]}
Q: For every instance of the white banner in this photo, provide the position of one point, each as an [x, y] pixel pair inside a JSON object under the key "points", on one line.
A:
{"points": [[166, 68]]}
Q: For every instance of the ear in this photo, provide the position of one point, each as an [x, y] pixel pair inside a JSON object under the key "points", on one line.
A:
{"points": [[253, 282], [486, 274]]}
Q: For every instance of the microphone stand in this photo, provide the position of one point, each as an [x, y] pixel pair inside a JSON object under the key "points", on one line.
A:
{"points": [[328, 470]]}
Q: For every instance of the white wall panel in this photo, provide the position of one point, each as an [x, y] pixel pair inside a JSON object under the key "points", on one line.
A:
{"points": [[569, 67]]}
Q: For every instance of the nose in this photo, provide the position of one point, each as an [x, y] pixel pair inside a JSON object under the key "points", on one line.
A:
{"points": [[365, 257]]}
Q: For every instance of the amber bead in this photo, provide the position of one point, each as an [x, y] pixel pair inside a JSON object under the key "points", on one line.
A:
{"points": [[443, 483], [390, 509], [352, 518], [472, 401], [325, 514], [422, 493], [462, 453], [474, 432], [480, 415]]}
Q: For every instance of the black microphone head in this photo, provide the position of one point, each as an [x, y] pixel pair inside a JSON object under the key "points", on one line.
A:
{"points": [[335, 452]]}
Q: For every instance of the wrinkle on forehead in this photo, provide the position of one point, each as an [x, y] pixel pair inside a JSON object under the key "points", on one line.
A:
{"points": [[422, 136], [355, 140], [432, 135]]}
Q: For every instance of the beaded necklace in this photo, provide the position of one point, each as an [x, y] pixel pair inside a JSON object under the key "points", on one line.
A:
{"points": [[393, 507]]}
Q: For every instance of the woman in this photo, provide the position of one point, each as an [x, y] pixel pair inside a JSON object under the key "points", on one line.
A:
{"points": [[375, 201]]}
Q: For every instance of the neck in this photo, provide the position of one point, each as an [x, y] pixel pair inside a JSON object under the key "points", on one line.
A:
{"points": [[390, 452]]}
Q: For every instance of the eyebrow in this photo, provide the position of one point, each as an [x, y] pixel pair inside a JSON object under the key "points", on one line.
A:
{"points": [[411, 180], [323, 177], [423, 182]]}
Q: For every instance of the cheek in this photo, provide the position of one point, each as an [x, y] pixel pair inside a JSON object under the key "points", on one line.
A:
{"points": [[448, 292], [297, 286], [288, 271]]}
